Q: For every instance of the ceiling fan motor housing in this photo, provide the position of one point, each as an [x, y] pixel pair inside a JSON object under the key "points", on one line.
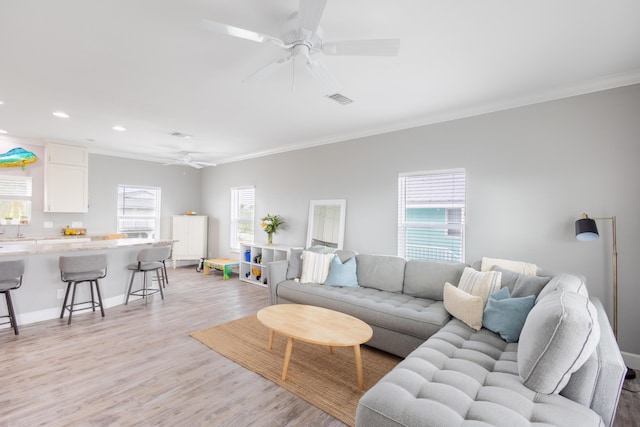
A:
{"points": [[292, 35]]}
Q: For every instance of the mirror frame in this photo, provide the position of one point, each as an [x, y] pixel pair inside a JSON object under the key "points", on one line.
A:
{"points": [[342, 203]]}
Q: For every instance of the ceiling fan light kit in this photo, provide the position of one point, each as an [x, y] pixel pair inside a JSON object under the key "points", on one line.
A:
{"points": [[302, 36]]}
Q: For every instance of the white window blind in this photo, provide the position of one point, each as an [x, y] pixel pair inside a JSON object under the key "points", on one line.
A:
{"points": [[242, 216], [431, 215], [139, 211], [15, 199]]}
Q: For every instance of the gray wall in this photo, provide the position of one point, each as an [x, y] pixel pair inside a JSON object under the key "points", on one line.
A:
{"points": [[531, 172]]}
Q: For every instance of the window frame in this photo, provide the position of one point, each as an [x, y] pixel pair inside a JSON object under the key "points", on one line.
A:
{"points": [[155, 232], [441, 189], [17, 189], [235, 218]]}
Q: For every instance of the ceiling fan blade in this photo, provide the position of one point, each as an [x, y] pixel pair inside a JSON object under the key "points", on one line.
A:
{"points": [[205, 164], [382, 47], [321, 73], [309, 17], [193, 165], [241, 33], [268, 69]]}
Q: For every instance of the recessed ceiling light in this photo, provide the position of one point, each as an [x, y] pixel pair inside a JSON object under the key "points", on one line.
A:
{"points": [[3, 131], [1, 102], [119, 128], [61, 114]]}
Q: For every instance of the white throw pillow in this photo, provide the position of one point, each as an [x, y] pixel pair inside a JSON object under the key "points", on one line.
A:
{"points": [[461, 305], [480, 283], [517, 266], [315, 267]]}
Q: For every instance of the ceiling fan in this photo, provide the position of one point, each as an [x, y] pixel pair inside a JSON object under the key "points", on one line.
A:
{"points": [[302, 37], [184, 158]]}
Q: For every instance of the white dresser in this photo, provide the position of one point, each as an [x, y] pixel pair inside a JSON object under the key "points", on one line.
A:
{"points": [[190, 231]]}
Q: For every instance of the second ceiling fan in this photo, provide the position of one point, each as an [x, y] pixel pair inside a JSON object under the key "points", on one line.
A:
{"points": [[303, 37]]}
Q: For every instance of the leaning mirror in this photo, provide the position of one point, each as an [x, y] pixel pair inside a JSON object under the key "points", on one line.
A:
{"points": [[326, 223]]}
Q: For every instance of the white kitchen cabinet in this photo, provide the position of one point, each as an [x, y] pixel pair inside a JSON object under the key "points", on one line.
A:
{"points": [[66, 178], [190, 231]]}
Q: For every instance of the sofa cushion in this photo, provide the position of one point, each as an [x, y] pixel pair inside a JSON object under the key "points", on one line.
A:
{"points": [[460, 377], [342, 274], [505, 315], [521, 285], [480, 284], [463, 306], [426, 279], [315, 267], [517, 266], [382, 272], [405, 314], [558, 337], [569, 282]]}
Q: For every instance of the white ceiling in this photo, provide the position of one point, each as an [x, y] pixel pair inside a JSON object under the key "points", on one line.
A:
{"points": [[152, 67]]}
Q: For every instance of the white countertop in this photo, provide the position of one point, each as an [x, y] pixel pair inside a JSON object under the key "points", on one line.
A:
{"points": [[31, 246]]}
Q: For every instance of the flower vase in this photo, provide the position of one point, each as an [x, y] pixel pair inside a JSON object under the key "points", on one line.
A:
{"points": [[270, 238]]}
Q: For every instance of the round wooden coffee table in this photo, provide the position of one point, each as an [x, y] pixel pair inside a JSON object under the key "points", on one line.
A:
{"points": [[316, 325]]}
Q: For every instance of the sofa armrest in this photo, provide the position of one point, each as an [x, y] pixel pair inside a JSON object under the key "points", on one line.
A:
{"points": [[277, 273], [598, 382]]}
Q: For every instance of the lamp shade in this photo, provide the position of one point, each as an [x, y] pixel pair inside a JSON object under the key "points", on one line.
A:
{"points": [[586, 229]]}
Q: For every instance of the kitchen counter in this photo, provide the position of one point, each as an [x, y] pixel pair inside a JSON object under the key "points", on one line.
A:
{"points": [[69, 244], [40, 296]]}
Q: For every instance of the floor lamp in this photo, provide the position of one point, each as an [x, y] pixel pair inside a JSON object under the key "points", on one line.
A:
{"points": [[587, 230]]}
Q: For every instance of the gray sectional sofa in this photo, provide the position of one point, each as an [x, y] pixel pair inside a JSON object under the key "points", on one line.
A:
{"points": [[569, 370]]}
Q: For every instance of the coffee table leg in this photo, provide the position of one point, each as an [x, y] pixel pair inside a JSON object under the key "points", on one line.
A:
{"points": [[271, 334], [287, 357], [226, 272], [356, 350], [331, 349]]}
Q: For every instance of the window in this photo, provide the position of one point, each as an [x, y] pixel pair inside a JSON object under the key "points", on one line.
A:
{"points": [[431, 215], [139, 211], [242, 216], [15, 199]]}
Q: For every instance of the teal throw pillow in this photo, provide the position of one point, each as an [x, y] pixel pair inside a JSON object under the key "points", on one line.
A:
{"points": [[342, 274], [505, 315]]}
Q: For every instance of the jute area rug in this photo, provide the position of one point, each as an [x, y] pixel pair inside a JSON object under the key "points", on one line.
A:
{"points": [[327, 381]]}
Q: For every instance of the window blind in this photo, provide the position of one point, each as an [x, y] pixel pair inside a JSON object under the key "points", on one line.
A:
{"points": [[138, 211], [15, 186], [431, 215], [242, 216]]}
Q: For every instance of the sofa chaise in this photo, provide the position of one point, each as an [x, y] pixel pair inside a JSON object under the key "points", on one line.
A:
{"points": [[563, 366]]}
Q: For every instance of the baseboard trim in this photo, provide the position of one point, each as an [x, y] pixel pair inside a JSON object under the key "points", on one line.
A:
{"points": [[54, 313], [632, 360]]}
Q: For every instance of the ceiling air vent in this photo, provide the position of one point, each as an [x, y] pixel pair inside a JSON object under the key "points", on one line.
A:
{"points": [[181, 135], [341, 99]]}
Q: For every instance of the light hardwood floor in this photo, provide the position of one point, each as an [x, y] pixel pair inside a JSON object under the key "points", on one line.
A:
{"points": [[138, 366]]}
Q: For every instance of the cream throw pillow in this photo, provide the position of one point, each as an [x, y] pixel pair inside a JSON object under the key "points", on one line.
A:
{"points": [[315, 267], [517, 266], [480, 283], [461, 305]]}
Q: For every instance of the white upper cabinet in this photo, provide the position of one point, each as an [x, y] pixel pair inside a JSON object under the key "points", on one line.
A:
{"points": [[66, 187]]}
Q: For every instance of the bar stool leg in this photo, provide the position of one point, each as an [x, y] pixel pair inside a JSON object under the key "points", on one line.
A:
{"points": [[66, 297], [93, 298], [160, 285], [99, 297], [12, 313], [73, 301], [144, 287], [133, 274]]}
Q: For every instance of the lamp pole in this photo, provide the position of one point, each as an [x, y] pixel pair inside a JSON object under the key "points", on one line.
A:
{"points": [[614, 266]]}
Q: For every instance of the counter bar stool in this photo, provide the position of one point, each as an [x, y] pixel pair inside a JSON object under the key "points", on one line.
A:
{"points": [[11, 278], [78, 269], [150, 259]]}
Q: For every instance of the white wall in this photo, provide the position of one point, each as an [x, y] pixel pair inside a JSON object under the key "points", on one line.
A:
{"points": [[531, 172]]}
